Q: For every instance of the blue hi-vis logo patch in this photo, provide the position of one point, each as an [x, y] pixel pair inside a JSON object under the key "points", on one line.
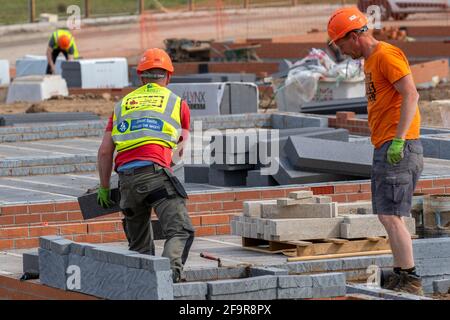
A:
{"points": [[123, 126], [147, 123]]}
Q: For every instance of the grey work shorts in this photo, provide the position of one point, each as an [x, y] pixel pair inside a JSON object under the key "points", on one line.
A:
{"points": [[393, 185]]}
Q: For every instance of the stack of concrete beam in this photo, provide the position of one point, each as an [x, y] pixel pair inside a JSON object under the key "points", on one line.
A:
{"points": [[218, 98], [47, 165], [36, 88], [51, 131], [35, 65], [330, 156], [432, 258], [368, 225], [106, 272], [96, 73], [4, 73]]}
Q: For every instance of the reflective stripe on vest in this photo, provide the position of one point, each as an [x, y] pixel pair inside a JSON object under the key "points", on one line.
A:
{"points": [[132, 129]]}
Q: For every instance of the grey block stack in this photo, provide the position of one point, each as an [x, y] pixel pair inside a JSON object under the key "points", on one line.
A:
{"points": [[432, 258], [330, 156], [106, 272]]}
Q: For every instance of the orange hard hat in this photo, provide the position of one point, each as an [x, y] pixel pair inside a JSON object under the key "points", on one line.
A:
{"points": [[155, 58], [344, 20], [64, 42]]}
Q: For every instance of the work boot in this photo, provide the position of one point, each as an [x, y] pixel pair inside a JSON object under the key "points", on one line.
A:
{"points": [[410, 283], [391, 281]]}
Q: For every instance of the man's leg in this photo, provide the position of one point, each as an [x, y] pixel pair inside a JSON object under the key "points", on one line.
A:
{"points": [[138, 229], [177, 227]]}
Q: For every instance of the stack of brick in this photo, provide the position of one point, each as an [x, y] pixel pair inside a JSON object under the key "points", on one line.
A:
{"points": [[303, 216], [105, 272]]}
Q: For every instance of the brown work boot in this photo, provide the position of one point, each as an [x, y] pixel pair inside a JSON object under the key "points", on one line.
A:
{"points": [[409, 284], [392, 281]]}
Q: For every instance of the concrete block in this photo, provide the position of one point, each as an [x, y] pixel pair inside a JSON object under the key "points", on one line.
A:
{"points": [[46, 241], [36, 88], [149, 285], [202, 274], [35, 65], [52, 269], [441, 286], [298, 195], [295, 120], [267, 271], [328, 292], [282, 202], [253, 208], [61, 246], [232, 272], [30, 262], [327, 280], [113, 255], [79, 248], [433, 267], [4, 72], [196, 173], [295, 293], [323, 199], [360, 207], [190, 289], [226, 287], [383, 293], [330, 156], [305, 210], [287, 174], [264, 294], [96, 73], [256, 179], [431, 147], [360, 226], [227, 178], [353, 263], [190, 298], [431, 248], [147, 262], [294, 281], [305, 229]]}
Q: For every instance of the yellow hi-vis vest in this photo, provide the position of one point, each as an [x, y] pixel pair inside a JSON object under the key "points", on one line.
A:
{"points": [[149, 114], [61, 32]]}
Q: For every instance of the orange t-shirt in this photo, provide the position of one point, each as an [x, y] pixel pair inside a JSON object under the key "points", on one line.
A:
{"points": [[386, 65]]}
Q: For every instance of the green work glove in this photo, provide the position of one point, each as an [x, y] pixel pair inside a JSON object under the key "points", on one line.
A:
{"points": [[395, 151], [104, 198]]}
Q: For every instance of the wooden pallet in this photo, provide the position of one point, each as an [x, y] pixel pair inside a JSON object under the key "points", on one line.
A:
{"points": [[319, 248]]}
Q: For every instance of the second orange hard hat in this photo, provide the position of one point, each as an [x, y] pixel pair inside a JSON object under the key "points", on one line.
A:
{"points": [[344, 20], [64, 42], [155, 58]]}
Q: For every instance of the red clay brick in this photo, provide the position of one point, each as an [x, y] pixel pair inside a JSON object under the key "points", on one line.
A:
{"points": [[199, 198], [196, 221], [441, 183], [55, 216], [13, 210], [191, 207], [273, 194], [41, 208], [232, 205], [346, 188], [365, 187], [352, 197], [248, 195], [28, 218], [67, 206], [74, 216], [73, 229], [6, 244], [205, 231], [434, 190], [322, 190], [425, 184], [98, 227], [223, 196], [113, 237], [209, 206], [43, 231], [90, 238], [226, 229], [112, 216], [339, 197], [10, 233], [215, 219], [6, 220], [26, 243], [345, 115]]}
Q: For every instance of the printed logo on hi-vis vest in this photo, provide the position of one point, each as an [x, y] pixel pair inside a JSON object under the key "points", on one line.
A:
{"points": [[147, 123], [144, 101], [123, 126]]}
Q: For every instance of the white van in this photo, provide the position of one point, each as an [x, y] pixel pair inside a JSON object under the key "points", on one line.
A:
{"points": [[399, 9]]}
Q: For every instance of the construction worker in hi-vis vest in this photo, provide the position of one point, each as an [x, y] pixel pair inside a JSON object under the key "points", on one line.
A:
{"points": [[61, 41], [147, 126]]}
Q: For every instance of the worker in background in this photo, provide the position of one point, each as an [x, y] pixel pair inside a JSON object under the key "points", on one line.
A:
{"points": [[60, 41], [394, 121], [146, 126]]}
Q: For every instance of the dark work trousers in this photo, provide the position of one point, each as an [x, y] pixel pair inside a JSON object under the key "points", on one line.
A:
{"points": [[55, 54], [151, 187]]}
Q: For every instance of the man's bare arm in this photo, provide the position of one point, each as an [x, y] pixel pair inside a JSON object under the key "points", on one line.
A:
{"points": [[105, 159], [407, 89]]}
